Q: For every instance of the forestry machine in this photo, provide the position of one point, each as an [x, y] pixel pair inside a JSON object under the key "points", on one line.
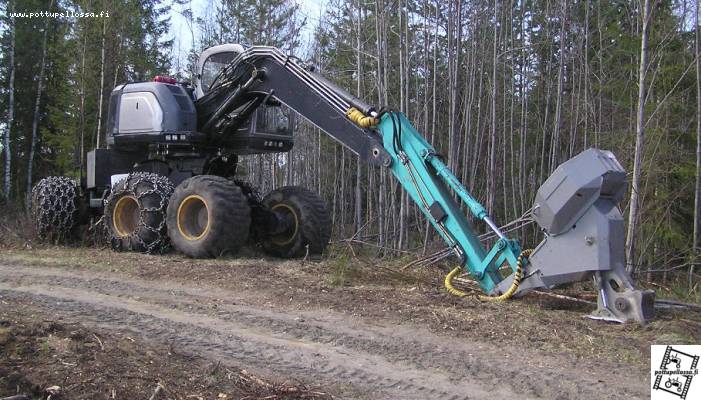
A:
{"points": [[167, 177]]}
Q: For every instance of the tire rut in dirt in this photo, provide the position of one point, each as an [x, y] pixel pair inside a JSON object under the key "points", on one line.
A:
{"points": [[227, 344], [399, 347]]}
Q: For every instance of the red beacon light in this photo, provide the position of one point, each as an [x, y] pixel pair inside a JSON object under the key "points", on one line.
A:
{"points": [[165, 79]]}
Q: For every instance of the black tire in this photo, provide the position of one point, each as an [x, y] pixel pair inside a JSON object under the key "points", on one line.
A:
{"points": [[135, 213], [208, 216], [55, 208], [311, 222]]}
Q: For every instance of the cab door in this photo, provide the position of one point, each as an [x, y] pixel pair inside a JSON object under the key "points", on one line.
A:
{"points": [[210, 64]]}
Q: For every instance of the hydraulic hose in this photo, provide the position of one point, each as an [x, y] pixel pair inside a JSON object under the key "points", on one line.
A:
{"points": [[361, 119], [518, 275], [449, 283]]}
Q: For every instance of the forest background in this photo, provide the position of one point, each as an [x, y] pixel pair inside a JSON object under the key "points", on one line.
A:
{"points": [[506, 90]]}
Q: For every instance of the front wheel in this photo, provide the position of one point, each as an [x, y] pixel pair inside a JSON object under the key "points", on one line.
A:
{"points": [[208, 216], [306, 222], [135, 213]]}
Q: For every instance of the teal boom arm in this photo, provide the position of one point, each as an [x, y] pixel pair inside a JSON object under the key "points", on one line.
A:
{"points": [[429, 182]]}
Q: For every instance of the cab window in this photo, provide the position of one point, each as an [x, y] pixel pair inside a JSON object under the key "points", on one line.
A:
{"points": [[273, 119], [213, 65]]}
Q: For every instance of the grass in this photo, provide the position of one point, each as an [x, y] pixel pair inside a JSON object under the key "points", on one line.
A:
{"points": [[678, 289], [343, 271], [59, 257], [16, 228], [674, 337]]}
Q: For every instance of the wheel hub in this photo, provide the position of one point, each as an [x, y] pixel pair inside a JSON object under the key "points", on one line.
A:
{"points": [[287, 217], [125, 216], [193, 217]]}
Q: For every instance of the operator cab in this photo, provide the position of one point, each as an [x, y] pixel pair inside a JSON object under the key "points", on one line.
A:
{"points": [[269, 129], [210, 64]]}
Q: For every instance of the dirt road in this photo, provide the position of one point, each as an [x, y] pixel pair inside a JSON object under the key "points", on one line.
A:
{"points": [[375, 356]]}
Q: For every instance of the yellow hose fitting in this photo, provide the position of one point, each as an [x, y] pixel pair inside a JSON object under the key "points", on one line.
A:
{"points": [[361, 119], [518, 275]]}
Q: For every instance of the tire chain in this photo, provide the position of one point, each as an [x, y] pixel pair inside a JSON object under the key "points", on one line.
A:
{"points": [[164, 188], [54, 207]]}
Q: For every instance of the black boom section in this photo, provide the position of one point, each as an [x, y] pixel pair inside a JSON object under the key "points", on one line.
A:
{"points": [[261, 74]]}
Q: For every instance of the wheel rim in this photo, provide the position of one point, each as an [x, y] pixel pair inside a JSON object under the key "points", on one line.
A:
{"points": [[289, 235], [125, 216], [193, 217]]}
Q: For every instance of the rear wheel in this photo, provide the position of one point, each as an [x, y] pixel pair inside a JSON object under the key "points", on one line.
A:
{"points": [[306, 222], [55, 207], [208, 216], [135, 213]]}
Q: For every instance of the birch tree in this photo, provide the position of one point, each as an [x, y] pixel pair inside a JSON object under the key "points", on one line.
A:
{"points": [[697, 192], [10, 111], [639, 144], [102, 85], [37, 103], [491, 176]]}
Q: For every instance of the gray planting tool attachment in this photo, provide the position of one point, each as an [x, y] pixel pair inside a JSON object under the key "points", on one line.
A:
{"points": [[577, 210]]}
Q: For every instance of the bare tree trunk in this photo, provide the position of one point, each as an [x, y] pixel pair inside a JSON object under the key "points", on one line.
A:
{"points": [[548, 86], [81, 138], [478, 130], [407, 111], [524, 118], [432, 128], [512, 85], [35, 119], [555, 144], [586, 74], [639, 144], [102, 86], [470, 74], [289, 167], [342, 192], [491, 172], [402, 101], [697, 197], [10, 112], [599, 120], [454, 47], [358, 169], [382, 214]]}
